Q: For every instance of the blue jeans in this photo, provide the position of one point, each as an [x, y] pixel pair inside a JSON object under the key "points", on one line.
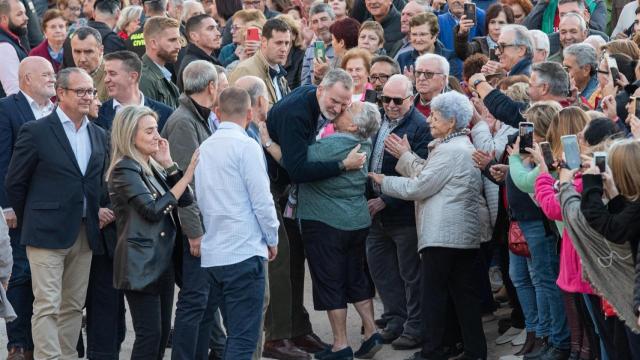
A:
{"points": [[238, 289], [20, 295], [545, 263], [536, 318], [195, 311]]}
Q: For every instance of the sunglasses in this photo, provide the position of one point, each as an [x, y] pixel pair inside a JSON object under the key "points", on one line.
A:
{"points": [[397, 101]]}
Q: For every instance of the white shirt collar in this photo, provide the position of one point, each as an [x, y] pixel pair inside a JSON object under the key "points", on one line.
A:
{"points": [[117, 104], [231, 126], [65, 119], [33, 103]]}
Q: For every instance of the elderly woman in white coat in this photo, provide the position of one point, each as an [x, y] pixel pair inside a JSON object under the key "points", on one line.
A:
{"points": [[446, 188]]}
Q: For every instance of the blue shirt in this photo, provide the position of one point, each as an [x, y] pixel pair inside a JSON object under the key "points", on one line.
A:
{"points": [[234, 197]]}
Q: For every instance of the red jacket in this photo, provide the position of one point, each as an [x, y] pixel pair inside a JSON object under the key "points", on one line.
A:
{"points": [[43, 50]]}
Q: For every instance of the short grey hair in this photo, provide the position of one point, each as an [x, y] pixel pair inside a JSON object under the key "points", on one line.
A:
{"points": [[583, 23], [128, 15], [597, 39], [453, 106], [444, 63], [552, 74], [63, 77], [335, 76], [521, 37], [585, 54], [320, 7], [254, 86], [367, 120], [540, 40], [197, 76], [407, 83]]}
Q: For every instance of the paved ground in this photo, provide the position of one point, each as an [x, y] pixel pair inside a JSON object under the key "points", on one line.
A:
{"points": [[321, 327]]}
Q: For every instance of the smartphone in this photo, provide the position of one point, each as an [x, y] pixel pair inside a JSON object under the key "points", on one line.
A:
{"points": [[600, 159], [613, 67], [636, 106], [470, 11], [571, 151], [253, 34], [492, 55], [371, 96], [526, 137], [547, 154], [319, 50]]}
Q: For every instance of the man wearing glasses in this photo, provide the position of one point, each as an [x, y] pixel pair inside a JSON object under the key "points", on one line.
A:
{"points": [[392, 241], [247, 5], [431, 74], [382, 68], [515, 51], [66, 152]]}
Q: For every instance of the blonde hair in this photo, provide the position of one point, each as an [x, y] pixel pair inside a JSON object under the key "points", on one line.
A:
{"points": [[375, 27], [123, 134], [158, 24], [295, 30], [250, 15], [569, 121], [541, 114], [518, 92], [623, 46], [624, 162], [128, 15]]}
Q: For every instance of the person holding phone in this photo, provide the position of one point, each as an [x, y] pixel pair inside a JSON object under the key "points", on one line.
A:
{"points": [[240, 46], [497, 16]]}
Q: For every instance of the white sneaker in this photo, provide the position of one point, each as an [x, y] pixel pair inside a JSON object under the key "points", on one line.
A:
{"points": [[520, 339], [509, 335], [512, 357]]}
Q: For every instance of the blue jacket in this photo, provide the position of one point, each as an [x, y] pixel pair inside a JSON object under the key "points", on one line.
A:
{"points": [[447, 22], [522, 67], [408, 59], [107, 113], [400, 212]]}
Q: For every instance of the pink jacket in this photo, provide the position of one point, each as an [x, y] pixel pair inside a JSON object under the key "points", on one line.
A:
{"points": [[570, 276]]}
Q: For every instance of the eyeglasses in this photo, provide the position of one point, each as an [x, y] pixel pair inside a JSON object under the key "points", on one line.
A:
{"points": [[74, 8], [502, 46], [381, 78], [83, 92], [397, 101], [427, 74], [249, 4], [604, 72]]}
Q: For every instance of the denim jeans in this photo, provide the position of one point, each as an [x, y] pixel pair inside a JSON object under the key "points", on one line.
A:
{"points": [[106, 327], [394, 264], [195, 311], [20, 295], [238, 289], [545, 263], [536, 319]]}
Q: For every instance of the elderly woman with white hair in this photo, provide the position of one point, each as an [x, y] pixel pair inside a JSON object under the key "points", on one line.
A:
{"points": [[447, 189]]}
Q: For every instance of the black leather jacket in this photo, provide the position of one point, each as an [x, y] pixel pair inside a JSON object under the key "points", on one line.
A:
{"points": [[147, 224]]}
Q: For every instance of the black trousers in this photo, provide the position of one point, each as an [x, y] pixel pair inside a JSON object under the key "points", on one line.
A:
{"points": [[448, 274], [151, 315]]}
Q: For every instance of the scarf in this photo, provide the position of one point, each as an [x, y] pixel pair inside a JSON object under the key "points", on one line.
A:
{"points": [[607, 266], [549, 16]]}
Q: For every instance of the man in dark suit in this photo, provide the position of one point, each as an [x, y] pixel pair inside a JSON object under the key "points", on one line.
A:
{"points": [[121, 80], [37, 84], [54, 184]]}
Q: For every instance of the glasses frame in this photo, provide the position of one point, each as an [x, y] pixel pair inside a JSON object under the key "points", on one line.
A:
{"points": [[83, 92], [396, 101]]}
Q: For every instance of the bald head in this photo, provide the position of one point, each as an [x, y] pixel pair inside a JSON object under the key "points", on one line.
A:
{"points": [[257, 90], [37, 78], [400, 81]]}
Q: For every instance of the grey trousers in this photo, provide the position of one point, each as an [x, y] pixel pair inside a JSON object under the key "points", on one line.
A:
{"points": [[394, 264]]}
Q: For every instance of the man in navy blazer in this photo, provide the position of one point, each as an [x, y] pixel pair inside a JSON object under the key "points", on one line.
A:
{"points": [[36, 79], [122, 77], [54, 183]]}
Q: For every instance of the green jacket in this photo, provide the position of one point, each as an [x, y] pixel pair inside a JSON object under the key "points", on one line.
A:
{"points": [[339, 201], [155, 86]]}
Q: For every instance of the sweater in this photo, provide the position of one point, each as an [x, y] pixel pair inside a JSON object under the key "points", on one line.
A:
{"points": [[339, 201]]}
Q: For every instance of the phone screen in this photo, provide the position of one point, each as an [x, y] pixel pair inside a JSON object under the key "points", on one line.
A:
{"points": [[600, 160], [526, 137], [319, 51], [571, 151], [547, 154], [637, 106], [470, 11], [492, 55], [613, 67]]}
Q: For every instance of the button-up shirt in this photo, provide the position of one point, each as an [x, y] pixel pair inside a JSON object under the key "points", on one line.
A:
{"points": [[377, 155], [234, 198], [39, 111], [165, 72], [117, 106]]}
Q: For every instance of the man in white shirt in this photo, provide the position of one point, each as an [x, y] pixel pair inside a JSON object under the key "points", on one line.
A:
{"points": [[241, 224], [36, 85]]}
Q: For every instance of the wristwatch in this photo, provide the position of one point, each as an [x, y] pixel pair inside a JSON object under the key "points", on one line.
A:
{"points": [[477, 82], [341, 166], [268, 144], [171, 169]]}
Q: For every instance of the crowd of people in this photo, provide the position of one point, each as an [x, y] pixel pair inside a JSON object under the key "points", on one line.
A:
{"points": [[449, 157]]}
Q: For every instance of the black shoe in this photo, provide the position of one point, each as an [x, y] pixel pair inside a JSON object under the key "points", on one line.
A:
{"points": [[538, 352], [323, 353], [406, 342], [369, 347], [388, 336], [344, 354], [555, 354], [381, 323]]}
